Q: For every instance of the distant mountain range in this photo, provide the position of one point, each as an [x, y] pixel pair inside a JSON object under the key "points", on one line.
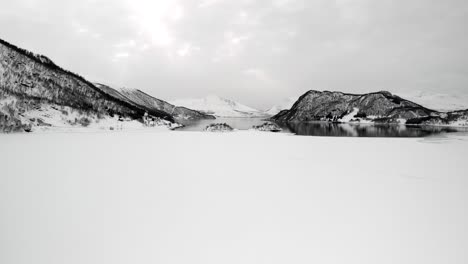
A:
{"points": [[36, 92], [284, 105], [378, 107], [220, 107], [438, 101]]}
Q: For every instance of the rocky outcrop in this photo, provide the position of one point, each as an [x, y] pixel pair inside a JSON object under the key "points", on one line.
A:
{"points": [[267, 127], [219, 128], [379, 107], [142, 99], [29, 82]]}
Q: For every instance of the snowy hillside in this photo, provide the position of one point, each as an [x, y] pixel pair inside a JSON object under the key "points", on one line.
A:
{"points": [[439, 102], [284, 105], [218, 106], [145, 100], [377, 107], [36, 93]]}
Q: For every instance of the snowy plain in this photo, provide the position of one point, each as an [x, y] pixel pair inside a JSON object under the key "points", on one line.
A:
{"points": [[243, 197]]}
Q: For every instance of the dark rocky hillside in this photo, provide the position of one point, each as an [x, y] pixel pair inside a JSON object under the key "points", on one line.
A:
{"points": [[142, 99], [28, 82], [454, 118], [379, 107]]}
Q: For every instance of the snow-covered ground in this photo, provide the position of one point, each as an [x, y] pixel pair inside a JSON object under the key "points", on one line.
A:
{"points": [[241, 197], [218, 106], [51, 117], [347, 118], [58, 121]]}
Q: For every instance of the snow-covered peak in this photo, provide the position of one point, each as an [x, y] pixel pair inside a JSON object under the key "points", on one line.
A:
{"points": [[214, 99], [218, 106], [286, 104]]}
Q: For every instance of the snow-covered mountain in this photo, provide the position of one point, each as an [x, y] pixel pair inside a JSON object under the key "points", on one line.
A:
{"points": [[143, 99], [286, 104], [217, 106], [35, 93], [436, 101], [377, 107], [439, 102]]}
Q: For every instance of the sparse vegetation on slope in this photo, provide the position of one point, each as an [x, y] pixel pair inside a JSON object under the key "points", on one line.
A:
{"points": [[33, 81], [142, 99], [379, 107]]}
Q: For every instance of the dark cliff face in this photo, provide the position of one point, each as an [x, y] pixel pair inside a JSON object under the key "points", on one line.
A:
{"points": [[142, 99], [34, 80], [381, 107]]}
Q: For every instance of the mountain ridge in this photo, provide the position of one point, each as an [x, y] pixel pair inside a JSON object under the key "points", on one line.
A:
{"points": [[34, 83], [139, 97], [283, 105], [34, 90], [379, 107]]}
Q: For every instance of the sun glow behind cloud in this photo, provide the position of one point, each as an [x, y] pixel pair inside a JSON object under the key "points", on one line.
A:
{"points": [[240, 46], [153, 19]]}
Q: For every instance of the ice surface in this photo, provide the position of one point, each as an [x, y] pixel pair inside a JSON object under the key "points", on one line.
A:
{"points": [[242, 197]]}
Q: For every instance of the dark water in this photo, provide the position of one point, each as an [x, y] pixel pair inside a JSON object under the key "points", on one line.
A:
{"points": [[365, 130], [329, 129]]}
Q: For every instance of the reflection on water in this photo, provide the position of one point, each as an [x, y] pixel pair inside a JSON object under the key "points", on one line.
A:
{"points": [[365, 130], [328, 129]]}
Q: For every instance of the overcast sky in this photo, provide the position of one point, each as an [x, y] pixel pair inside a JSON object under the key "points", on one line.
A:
{"points": [[254, 51]]}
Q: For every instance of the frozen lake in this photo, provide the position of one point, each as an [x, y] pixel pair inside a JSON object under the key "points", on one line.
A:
{"points": [[328, 129], [244, 197]]}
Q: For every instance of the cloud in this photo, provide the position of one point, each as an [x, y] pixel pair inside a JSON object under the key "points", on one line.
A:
{"points": [[126, 44], [207, 3], [238, 49], [187, 49], [121, 55], [232, 45], [153, 19], [80, 29], [259, 74], [353, 11]]}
